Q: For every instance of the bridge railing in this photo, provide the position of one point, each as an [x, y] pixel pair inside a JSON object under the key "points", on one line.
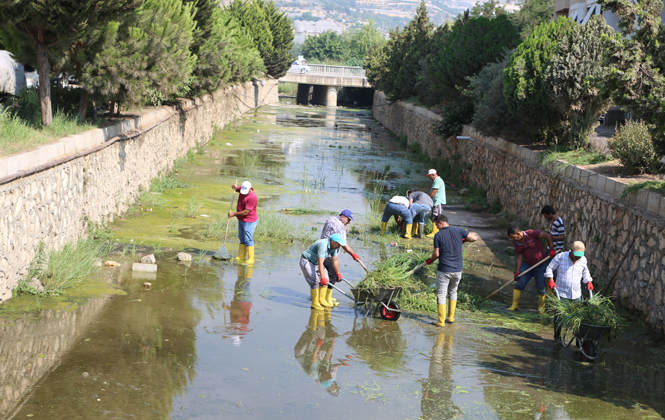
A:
{"points": [[337, 71]]}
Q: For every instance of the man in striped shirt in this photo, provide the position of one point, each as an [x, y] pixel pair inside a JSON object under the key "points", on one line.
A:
{"points": [[557, 228]]}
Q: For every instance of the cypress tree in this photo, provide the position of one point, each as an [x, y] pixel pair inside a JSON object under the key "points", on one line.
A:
{"points": [[48, 23], [282, 41]]}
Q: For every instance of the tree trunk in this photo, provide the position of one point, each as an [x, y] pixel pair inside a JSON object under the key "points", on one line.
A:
{"points": [[83, 105], [94, 110], [44, 70]]}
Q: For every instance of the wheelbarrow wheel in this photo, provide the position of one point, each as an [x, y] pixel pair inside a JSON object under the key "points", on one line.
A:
{"points": [[388, 314], [588, 349]]}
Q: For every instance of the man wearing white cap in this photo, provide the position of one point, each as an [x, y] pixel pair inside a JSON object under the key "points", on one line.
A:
{"points": [[247, 220], [438, 195], [571, 270]]}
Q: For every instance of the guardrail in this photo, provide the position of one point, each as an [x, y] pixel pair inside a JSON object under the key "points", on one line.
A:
{"points": [[337, 71]]}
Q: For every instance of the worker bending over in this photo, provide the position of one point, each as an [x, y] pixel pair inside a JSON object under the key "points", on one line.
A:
{"points": [[420, 206], [398, 206], [571, 271], [337, 224], [311, 264]]}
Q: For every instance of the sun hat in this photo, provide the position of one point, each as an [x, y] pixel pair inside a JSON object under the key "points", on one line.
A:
{"points": [[245, 187], [431, 172], [348, 214], [336, 237], [578, 249]]}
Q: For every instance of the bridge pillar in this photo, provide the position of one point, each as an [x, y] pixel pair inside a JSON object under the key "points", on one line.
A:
{"points": [[325, 95], [304, 94]]}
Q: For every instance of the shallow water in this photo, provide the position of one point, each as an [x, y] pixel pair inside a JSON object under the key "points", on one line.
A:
{"points": [[216, 340]]}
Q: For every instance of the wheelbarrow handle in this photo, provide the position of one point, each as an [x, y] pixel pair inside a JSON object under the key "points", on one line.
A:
{"points": [[348, 282], [342, 291]]}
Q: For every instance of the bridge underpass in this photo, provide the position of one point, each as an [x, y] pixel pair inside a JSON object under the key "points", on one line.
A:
{"points": [[321, 85]]}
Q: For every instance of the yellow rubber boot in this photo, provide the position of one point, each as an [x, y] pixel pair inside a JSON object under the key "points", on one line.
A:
{"points": [[329, 298], [414, 230], [434, 230], [242, 253], [441, 309], [383, 227], [250, 254], [315, 299], [323, 292], [452, 304], [517, 294], [541, 304], [407, 232]]}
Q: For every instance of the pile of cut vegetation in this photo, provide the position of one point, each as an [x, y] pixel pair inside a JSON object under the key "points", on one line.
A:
{"points": [[598, 311]]}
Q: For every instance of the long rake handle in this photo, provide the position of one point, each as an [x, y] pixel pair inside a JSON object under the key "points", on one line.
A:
{"points": [[363, 266], [421, 265], [233, 197], [520, 275]]}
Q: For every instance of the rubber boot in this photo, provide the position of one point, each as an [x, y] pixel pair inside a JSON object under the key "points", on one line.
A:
{"points": [[323, 292], [407, 232], [383, 227], [418, 230], [517, 294], [452, 304], [541, 304], [315, 299], [313, 320], [441, 309], [242, 253], [250, 254], [434, 230], [329, 297]]}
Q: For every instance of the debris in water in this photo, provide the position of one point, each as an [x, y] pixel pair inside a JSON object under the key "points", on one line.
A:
{"points": [[149, 259], [147, 285], [229, 144], [85, 374], [146, 268], [183, 256], [112, 264], [204, 215]]}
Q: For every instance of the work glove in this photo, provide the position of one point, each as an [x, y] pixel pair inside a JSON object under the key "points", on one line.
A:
{"points": [[324, 281], [589, 286], [551, 284], [339, 277], [355, 257], [517, 276], [463, 240], [552, 253], [429, 261]]}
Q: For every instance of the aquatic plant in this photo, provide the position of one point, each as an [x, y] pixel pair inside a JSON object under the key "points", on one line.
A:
{"points": [[303, 211], [598, 311], [274, 226], [194, 207], [162, 183]]}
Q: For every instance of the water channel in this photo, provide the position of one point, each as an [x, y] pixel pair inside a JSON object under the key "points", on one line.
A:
{"points": [[215, 340]]}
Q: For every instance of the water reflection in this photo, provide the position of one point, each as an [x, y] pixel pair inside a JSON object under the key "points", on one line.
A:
{"points": [[314, 352], [378, 343], [437, 399], [240, 307]]}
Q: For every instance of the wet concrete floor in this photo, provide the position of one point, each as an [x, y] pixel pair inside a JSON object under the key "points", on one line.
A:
{"points": [[215, 340]]}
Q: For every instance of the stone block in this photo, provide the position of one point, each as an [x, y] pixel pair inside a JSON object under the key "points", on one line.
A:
{"points": [[69, 145], [568, 172], [183, 256], [600, 183], [610, 186], [145, 268], [38, 157], [576, 174], [618, 188], [12, 165], [4, 168], [148, 259], [661, 211], [642, 199], [23, 161], [51, 152], [653, 203], [79, 141]]}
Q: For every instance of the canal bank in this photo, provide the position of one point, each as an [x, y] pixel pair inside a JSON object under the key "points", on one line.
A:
{"points": [[52, 194], [590, 204]]}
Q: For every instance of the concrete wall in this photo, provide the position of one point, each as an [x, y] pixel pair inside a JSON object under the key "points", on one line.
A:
{"points": [[54, 205], [589, 203]]}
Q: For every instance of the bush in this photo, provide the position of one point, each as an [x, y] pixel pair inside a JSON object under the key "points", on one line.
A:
{"points": [[455, 115], [633, 146]]}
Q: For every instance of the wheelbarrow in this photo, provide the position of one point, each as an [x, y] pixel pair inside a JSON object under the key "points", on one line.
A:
{"points": [[384, 297], [587, 338]]}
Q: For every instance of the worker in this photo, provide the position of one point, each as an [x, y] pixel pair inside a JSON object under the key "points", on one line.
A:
{"points": [[241, 306], [336, 224], [438, 195], [398, 206], [247, 221], [420, 206], [571, 270], [529, 251], [311, 264], [557, 227], [448, 250]]}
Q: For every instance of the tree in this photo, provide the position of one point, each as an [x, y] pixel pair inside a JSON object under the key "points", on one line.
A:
{"points": [[48, 23], [327, 46], [282, 41], [531, 14], [364, 39], [489, 9], [308, 16]]}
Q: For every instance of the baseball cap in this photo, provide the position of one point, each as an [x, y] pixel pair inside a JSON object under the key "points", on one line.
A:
{"points": [[235, 339], [431, 172], [336, 237], [245, 187], [348, 214], [578, 249]]}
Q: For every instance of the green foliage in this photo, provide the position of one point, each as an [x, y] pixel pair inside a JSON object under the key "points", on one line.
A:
{"points": [[572, 156], [454, 115], [327, 46], [161, 184], [531, 14], [489, 9], [491, 116], [393, 68], [308, 16], [598, 311], [657, 186], [633, 146]]}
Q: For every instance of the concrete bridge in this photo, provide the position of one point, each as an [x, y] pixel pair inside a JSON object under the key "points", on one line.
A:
{"points": [[321, 84]]}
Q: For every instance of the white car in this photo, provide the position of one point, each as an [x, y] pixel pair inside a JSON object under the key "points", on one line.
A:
{"points": [[299, 67]]}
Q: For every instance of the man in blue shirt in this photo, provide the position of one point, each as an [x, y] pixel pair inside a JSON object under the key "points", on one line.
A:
{"points": [[311, 264], [448, 250]]}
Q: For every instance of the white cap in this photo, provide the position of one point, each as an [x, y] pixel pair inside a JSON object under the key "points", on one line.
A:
{"points": [[245, 187], [235, 339], [431, 172]]}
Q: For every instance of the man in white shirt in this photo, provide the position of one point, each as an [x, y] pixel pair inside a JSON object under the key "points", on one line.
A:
{"points": [[571, 271], [398, 206]]}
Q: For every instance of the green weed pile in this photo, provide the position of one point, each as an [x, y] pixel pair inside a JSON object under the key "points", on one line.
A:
{"points": [[598, 311]]}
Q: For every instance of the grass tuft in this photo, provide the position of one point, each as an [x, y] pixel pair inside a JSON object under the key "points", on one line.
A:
{"points": [[571, 156], [599, 311], [656, 186], [170, 182]]}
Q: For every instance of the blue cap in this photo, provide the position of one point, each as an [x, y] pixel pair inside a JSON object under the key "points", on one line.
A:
{"points": [[336, 237], [348, 214]]}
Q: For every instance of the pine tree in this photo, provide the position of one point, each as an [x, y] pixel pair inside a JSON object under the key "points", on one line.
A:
{"points": [[47, 23], [282, 41]]}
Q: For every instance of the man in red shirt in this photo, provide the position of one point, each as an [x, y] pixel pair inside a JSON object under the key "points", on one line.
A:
{"points": [[247, 220], [529, 251]]}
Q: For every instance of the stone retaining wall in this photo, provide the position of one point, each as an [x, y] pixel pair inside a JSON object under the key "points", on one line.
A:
{"points": [[589, 203], [54, 205]]}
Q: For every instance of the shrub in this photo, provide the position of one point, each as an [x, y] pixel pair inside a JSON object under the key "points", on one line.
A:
{"points": [[455, 115], [633, 146]]}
